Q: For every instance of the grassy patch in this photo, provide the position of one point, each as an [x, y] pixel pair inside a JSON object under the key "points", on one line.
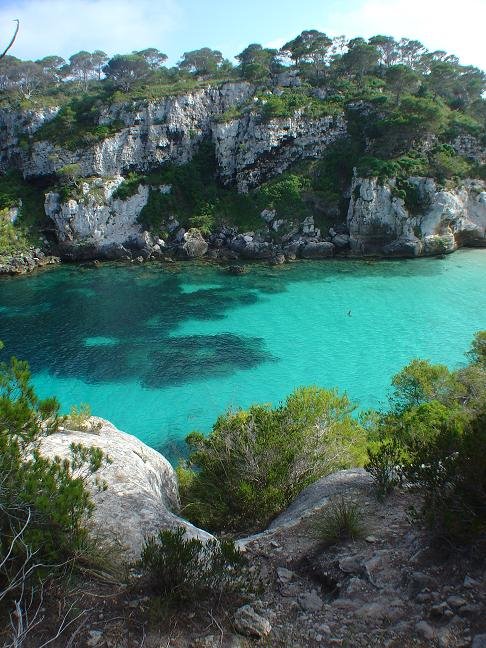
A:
{"points": [[341, 520]]}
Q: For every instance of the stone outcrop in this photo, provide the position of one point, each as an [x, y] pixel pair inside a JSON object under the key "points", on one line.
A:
{"points": [[379, 221], [96, 217], [27, 261], [141, 493], [150, 133], [193, 244], [250, 151]]}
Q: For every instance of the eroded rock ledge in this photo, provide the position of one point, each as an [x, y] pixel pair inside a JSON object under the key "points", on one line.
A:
{"points": [[141, 496]]}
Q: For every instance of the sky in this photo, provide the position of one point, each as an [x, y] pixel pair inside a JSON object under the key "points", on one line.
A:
{"points": [[175, 26]]}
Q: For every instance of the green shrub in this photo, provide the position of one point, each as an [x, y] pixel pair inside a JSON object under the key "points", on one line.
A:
{"points": [[205, 219], [29, 197], [180, 569], [477, 352], [44, 503], [12, 239], [341, 520], [79, 418], [446, 164], [256, 461], [129, 186], [285, 195], [76, 124], [434, 438], [384, 465], [450, 473], [273, 106]]}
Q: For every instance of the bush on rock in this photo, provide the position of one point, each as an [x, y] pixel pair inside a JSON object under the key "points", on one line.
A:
{"points": [[256, 461]]}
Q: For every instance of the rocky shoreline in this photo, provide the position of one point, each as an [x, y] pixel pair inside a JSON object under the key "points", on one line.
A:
{"points": [[225, 247], [26, 261], [378, 225]]}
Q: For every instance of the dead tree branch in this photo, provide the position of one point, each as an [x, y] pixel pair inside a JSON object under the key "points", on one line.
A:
{"points": [[12, 40]]}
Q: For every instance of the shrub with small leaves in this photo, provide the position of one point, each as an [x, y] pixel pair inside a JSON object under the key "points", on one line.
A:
{"points": [[384, 466], [181, 569]]}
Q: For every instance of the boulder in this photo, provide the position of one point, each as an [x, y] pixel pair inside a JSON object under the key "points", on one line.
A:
{"points": [[318, 494], [194, 245], [404, 247], [237, 269], [113, 252], [317, 250], [341, 240], [141, 496], [250, 624]]}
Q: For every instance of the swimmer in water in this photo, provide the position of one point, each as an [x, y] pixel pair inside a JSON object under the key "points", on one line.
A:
{"points": [[349, 313]]}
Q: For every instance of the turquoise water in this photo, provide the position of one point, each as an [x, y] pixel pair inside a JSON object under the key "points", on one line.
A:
{"points": [[163, 351]]}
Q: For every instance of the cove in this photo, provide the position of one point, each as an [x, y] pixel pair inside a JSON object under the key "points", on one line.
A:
{"points": [[163, 350]]}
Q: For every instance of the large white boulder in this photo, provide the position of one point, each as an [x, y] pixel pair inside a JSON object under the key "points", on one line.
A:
{"points": [[141, 493]]}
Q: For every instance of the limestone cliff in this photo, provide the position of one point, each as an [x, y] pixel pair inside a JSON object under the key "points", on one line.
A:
{"points": [[250, 151], [95, 217], [380, 222], [394, 218]]}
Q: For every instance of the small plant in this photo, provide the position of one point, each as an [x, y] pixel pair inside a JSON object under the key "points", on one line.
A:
{"points": [[79, 417], [342, 520], [383, 466], [129, 186], [180, 569]]}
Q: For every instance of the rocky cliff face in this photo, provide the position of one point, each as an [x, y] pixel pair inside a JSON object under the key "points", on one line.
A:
{"points": [[380, 222], [249, 150], [96, 217]]}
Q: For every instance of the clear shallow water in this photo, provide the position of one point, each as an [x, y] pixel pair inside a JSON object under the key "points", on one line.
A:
{"points": [[163, 351]]}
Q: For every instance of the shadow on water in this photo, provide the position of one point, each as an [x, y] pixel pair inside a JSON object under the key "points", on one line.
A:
{"points": [[197, 357], [117, 324]]}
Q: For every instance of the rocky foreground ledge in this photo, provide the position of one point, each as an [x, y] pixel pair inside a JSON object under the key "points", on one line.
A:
{"points": [[141, 495], [386, 589]]}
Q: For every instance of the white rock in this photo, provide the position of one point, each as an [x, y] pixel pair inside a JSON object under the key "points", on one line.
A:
{"points": [[141, 495], [250, 624], [99, 218], [379, 221]]}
